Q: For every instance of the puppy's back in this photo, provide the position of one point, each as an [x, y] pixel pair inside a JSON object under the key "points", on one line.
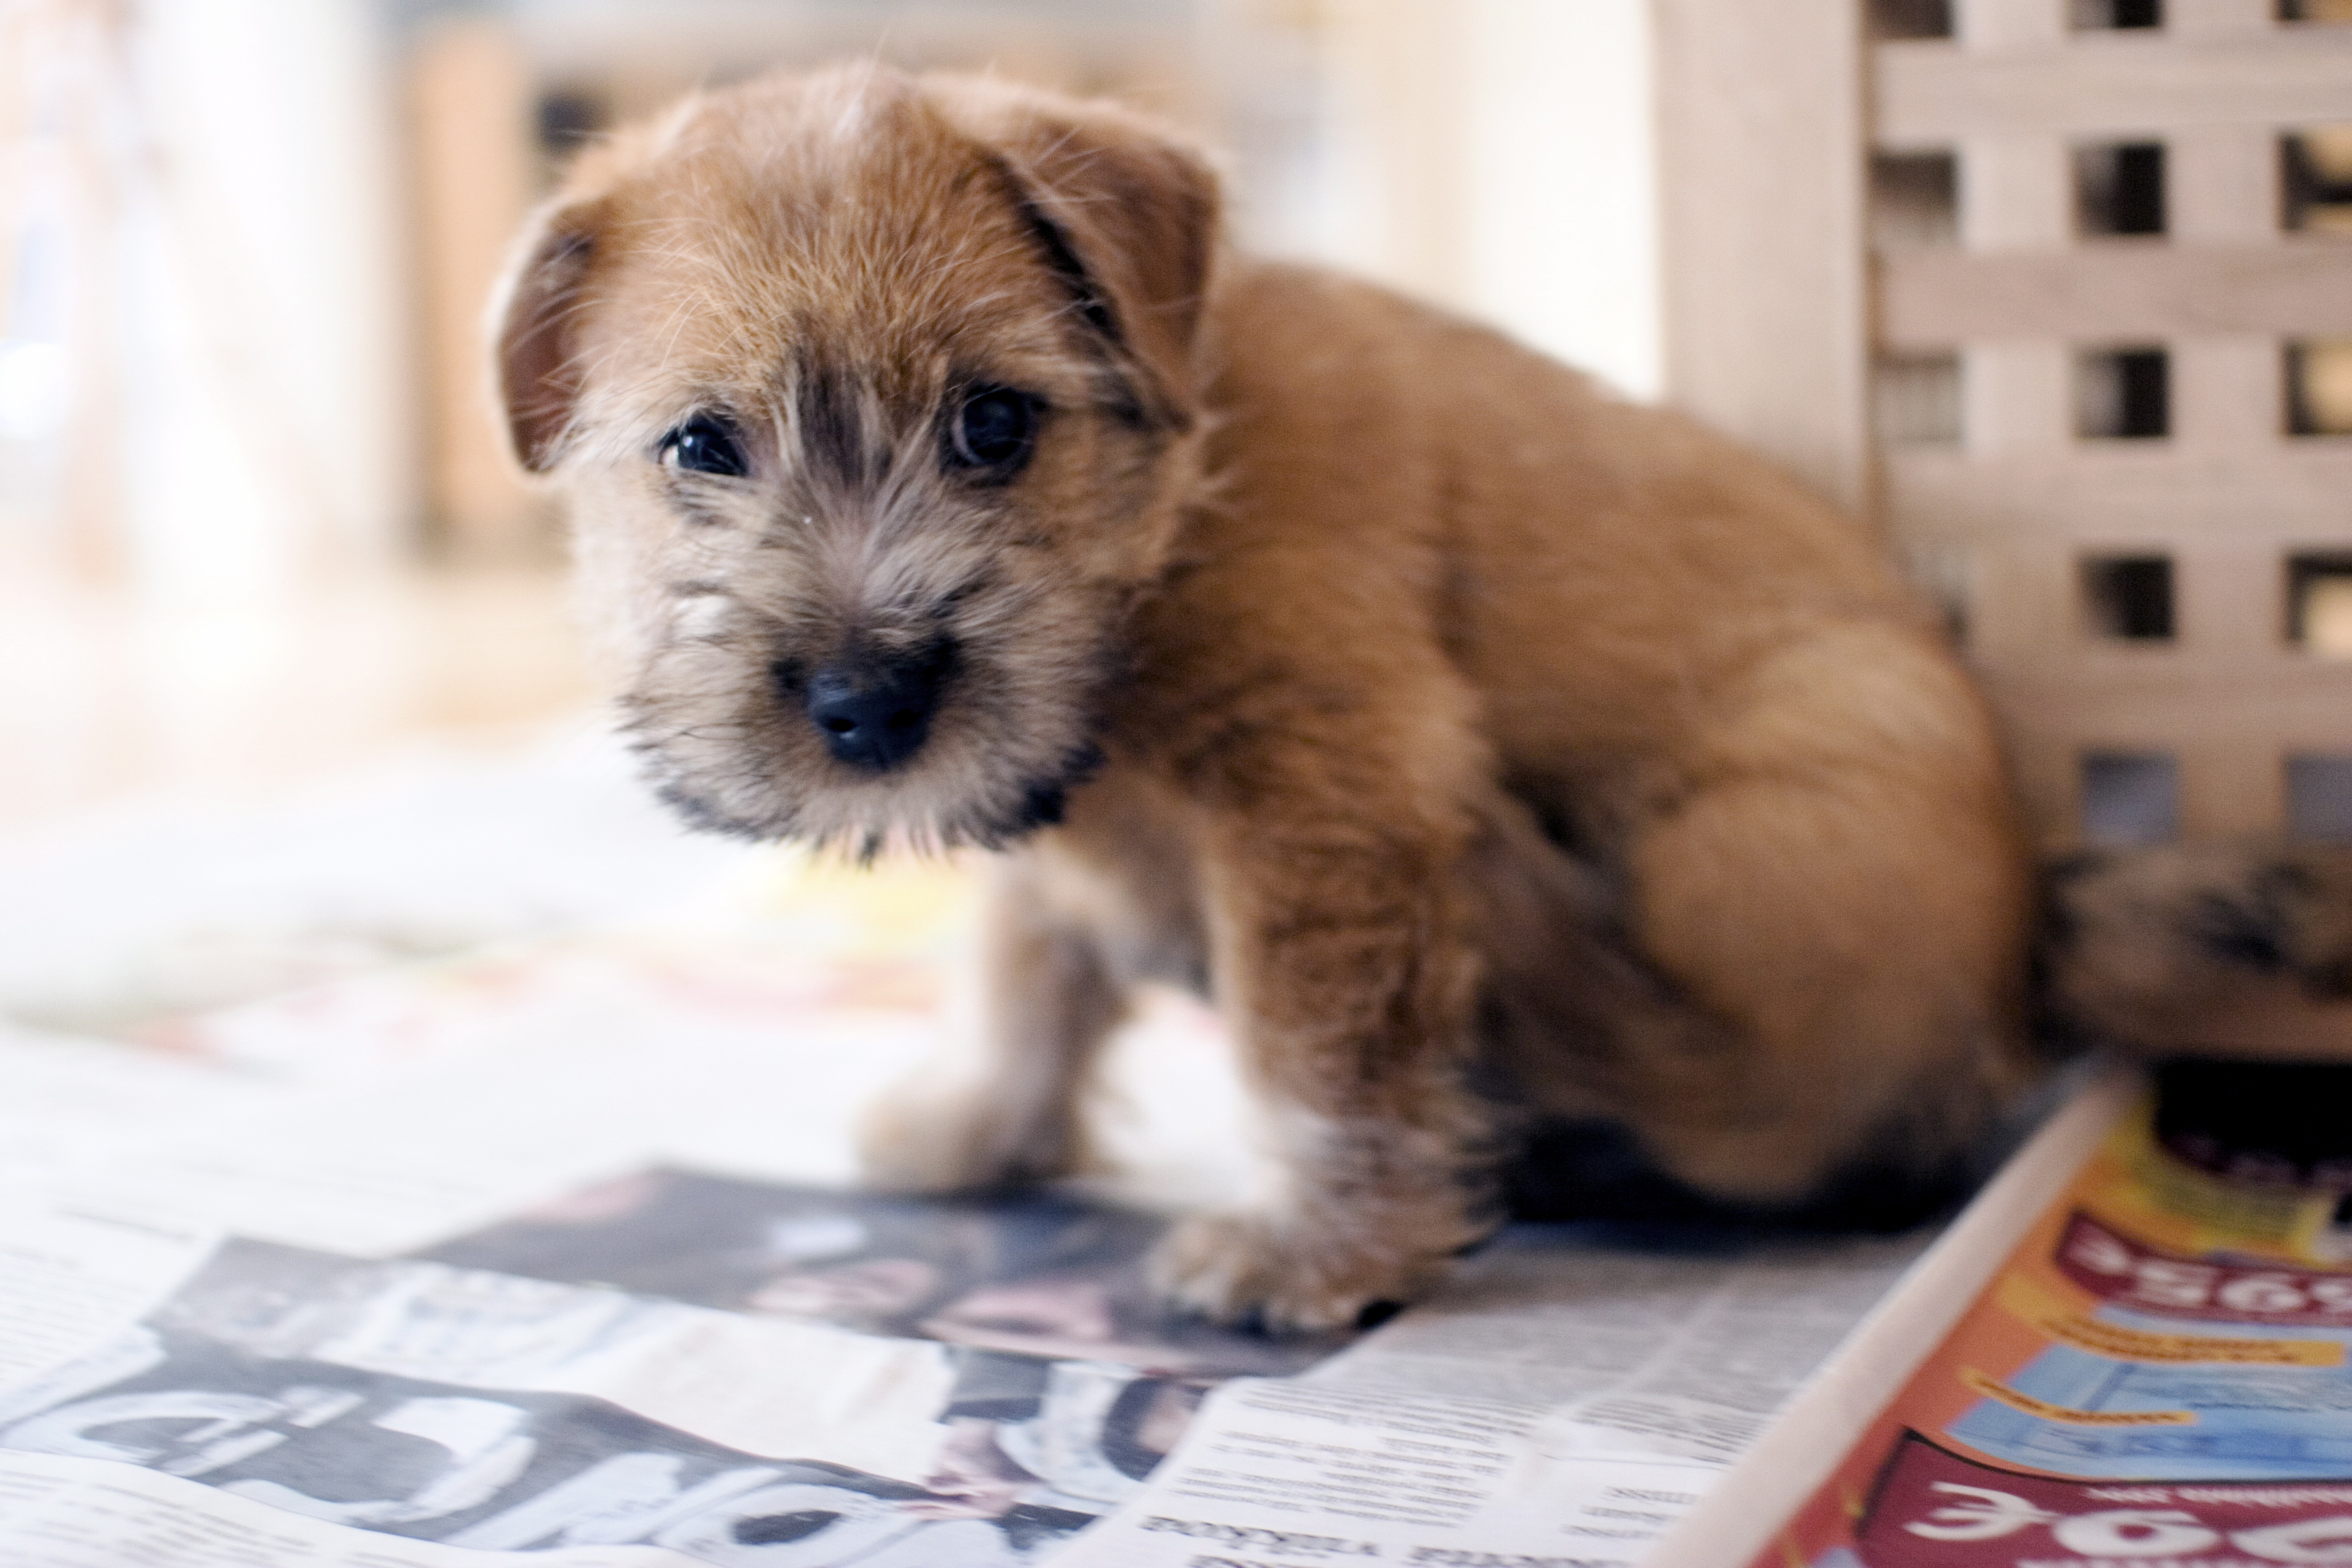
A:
{"points": [[1607, 574]]}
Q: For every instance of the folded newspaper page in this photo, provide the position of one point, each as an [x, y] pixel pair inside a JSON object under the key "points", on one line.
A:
{"points": [[1554, 1407], [545, 1253], [2133, 1350], [1557, 1398], [887, 1382]]}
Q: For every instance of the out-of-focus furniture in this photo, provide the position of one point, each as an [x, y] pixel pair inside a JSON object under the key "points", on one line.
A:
{"points": [[2059, 292]]}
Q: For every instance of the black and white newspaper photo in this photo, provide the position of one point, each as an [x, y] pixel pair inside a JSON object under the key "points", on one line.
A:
{"points": [[877, 1381]]}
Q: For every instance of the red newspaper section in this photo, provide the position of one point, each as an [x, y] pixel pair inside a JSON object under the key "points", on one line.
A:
{"points": [[2114, 1266], [1934, 1508], [2157, 1377]]}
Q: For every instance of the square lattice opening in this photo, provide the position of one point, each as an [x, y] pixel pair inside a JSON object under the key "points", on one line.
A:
{"points": [[2119, 188], [2319, 797], [1914, 199], [2130, 798], [2128, 598], [1917, 400], [2319, 603], [2123, 394], [2106, 15], [2319, 387], [2315, 180], [1910, 18]]}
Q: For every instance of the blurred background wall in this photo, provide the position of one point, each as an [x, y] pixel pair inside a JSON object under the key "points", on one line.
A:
{"points": [[2053, 292], [255, 520], [245, 243]]}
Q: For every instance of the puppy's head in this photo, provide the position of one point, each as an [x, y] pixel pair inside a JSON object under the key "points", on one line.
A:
{"points": [[875, 401]]}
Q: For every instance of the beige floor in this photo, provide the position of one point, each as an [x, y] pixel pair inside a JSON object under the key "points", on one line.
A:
{"points": [[103, 693]]}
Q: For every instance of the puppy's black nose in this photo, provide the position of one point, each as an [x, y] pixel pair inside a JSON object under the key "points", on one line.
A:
{"points": [[876, 712]]}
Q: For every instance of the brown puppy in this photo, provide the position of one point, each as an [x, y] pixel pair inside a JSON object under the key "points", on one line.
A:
{"points": [[1487, 747]]}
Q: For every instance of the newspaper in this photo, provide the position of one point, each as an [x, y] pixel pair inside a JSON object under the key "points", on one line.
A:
{"points": [[2134, 1350], [891, 1383], [1556, 1406], [675, 1365], [548, 1249]]}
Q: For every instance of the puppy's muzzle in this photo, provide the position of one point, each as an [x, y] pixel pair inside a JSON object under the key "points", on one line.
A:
{"points": [[874, 710]]}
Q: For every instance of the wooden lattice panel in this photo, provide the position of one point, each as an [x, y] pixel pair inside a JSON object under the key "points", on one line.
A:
{"points": [[2102, 311], [2039, 301]]}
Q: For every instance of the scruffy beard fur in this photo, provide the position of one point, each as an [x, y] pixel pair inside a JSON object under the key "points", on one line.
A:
{"points": [[1498, 756], [756, 588]]}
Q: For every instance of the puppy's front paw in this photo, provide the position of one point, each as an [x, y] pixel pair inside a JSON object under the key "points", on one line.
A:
{"points": [[1284, 1274], [964, 1142]]}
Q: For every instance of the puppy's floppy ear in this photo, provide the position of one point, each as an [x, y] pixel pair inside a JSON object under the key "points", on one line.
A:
{"points": [[1127, 218], [536, 331]]}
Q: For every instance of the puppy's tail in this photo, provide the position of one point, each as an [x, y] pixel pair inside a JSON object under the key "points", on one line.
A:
{"points": [[2233, 949]]}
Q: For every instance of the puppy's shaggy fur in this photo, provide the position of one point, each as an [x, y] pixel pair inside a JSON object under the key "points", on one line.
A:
{"points": [[1489, 749]]}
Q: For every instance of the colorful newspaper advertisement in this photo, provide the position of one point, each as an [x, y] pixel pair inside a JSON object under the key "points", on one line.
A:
{"points": [[2156, 1374]]}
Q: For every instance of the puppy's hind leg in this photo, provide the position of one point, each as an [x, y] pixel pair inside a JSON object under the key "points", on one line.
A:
{"points": [[1840, 883], [1016, 1116]]}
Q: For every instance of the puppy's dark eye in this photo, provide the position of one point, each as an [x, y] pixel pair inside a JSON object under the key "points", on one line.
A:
{"points": [[995, 429], [706, 444]]}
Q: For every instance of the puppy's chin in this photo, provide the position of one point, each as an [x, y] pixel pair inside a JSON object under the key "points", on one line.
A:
{"points": [[950, 794], [861, 821], [723, 712]]}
